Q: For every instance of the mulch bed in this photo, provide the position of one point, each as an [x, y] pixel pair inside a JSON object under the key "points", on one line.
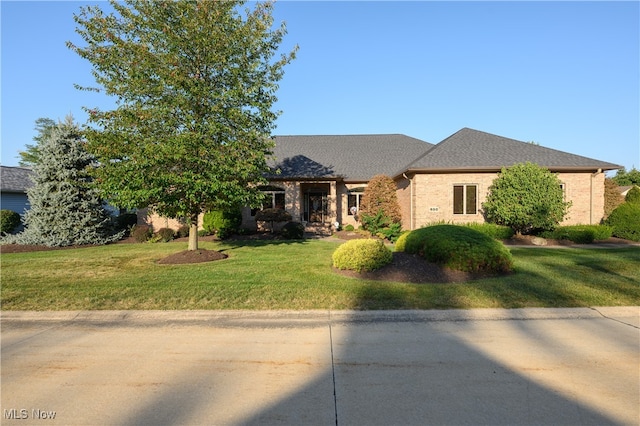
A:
{"points": [[192, 256]]}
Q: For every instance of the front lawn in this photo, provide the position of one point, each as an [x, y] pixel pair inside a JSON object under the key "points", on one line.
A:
{"points": [[298, 275]]}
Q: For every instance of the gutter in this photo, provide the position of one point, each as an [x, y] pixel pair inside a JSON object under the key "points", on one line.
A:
{"points": [[410, 201]]}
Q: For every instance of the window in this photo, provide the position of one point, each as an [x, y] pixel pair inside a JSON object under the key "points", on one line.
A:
{"points": [[465, 199], [274, 199], [353, 201]]}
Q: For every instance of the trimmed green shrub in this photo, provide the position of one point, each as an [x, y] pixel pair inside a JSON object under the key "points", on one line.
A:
{"points": [[465, 249], [349, 228], [203, 233], [273, 216], [292, 231], [625, 221], [362, 255], [222, 222], [141, 233], [412, 242], [499, 232], [581, 234], [9, 221], [165, 235]]}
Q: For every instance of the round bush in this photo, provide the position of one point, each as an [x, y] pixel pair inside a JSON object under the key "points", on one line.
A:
{"points": [[499, 232], [165, 234], [412, 242], [465, 249], [581, 234], [222, 222], [349, 228], [292, 231], [625, 221], [183, 231], [141, 233], [362, 255], [9, 221]]}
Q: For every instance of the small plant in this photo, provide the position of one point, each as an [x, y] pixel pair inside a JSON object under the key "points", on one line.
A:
{"points": [[362, 255], [203, 233], [165, 235], [292, 231], [9, 221], [349, 228], [141, 233]]}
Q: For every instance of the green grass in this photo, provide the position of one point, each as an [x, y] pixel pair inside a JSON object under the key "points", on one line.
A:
{"points": [[298, 275]]}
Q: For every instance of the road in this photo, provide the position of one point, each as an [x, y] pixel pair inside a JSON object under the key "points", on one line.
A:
{"points": [[489, 366]]}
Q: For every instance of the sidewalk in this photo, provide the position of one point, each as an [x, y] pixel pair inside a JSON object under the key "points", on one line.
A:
{"points": [[491, 366]]}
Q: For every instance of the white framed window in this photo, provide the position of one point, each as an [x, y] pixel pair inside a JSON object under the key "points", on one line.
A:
{"points": [[465, 199], [274, 199], [354, 196]]}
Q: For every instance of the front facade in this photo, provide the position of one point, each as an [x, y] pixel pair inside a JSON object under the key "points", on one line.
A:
{"points": [[14, 182], [320, 180]]}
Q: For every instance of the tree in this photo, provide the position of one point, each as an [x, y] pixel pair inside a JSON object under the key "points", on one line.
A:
{"points": [[380, 196], [624, 178], [526, 197], [30, 156], [195, 83], [65, 208], [612, 196]]}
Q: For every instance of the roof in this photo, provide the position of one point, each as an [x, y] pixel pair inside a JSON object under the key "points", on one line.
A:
{"points": [[470, 149], [15, 179], [351, 158]]}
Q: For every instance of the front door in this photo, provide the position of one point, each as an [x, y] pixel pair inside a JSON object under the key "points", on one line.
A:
{"points": [[316, 203]]}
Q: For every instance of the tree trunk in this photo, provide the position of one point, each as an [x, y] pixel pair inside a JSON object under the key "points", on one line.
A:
{"points": [[193, 233]]}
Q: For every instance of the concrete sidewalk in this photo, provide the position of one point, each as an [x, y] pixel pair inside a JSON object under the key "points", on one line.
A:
{"points": [[490, 366]]}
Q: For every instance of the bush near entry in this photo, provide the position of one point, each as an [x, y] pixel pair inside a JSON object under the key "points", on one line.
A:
{"points": [[457, 247], [292, 231], [362, 255]]}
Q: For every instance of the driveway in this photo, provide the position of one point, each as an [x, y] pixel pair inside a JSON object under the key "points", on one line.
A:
{"points": [[490, 366]]}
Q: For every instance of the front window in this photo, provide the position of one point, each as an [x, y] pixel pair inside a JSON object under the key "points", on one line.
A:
{"points": [[465, 199], [353, 201], [273, 199]]}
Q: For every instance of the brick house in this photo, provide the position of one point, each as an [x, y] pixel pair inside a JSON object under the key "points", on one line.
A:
{"points": [[319, 179], [14, 182]]}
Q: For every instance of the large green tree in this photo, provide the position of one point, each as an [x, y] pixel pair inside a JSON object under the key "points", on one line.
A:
{"points": [[526, 197], [195, 83], [627, 178]]}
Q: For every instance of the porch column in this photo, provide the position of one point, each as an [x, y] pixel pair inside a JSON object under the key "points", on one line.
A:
{"points": [[333, 203]]}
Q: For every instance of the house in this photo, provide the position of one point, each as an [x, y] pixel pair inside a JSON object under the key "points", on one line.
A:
{"points": [[14, 182], [320, 180]]}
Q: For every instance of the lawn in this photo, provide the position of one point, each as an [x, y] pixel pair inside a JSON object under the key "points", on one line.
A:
{"points": [[298, 275]]}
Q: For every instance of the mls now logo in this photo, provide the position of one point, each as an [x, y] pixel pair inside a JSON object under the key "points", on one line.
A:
{"points": [[22, 414]]}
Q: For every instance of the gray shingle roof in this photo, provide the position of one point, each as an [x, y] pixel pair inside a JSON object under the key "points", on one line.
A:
{"points": [[470, 149], [15, 179], [352, 158]]}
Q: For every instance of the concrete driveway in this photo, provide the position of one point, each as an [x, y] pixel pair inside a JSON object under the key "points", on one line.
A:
{"points": [[512, 367]]}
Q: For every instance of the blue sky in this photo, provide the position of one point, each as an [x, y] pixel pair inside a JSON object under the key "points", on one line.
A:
{"points": [[563, 74]]}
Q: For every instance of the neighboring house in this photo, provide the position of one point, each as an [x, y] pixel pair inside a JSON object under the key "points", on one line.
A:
{"points": [[14, 182], [319, 180]]}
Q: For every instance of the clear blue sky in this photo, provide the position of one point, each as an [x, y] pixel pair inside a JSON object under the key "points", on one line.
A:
{"points": [[563, 74]]}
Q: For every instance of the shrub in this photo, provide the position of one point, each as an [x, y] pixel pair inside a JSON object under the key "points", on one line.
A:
{"points": [[465, 249], [165, 234], [222, 222], [272, 216], [362, 255], [125, 222], [141, 233], [382, 226], [292, 231], [612, 196], [183, 231], [412, 242], [625, 221], [499, 232], [380, 196], [349, 228], [581, 234], [633, 196], [9, 221], [203, 233]]}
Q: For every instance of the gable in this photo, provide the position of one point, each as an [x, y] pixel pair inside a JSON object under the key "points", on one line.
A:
{"points": [[348, 157], [470, 149]]}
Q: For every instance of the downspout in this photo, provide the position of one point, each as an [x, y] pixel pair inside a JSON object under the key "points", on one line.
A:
{"points": [[410, 201]]}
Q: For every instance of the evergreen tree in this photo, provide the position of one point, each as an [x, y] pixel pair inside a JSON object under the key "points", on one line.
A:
{"points": [[31, 155], [65, 207]]}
